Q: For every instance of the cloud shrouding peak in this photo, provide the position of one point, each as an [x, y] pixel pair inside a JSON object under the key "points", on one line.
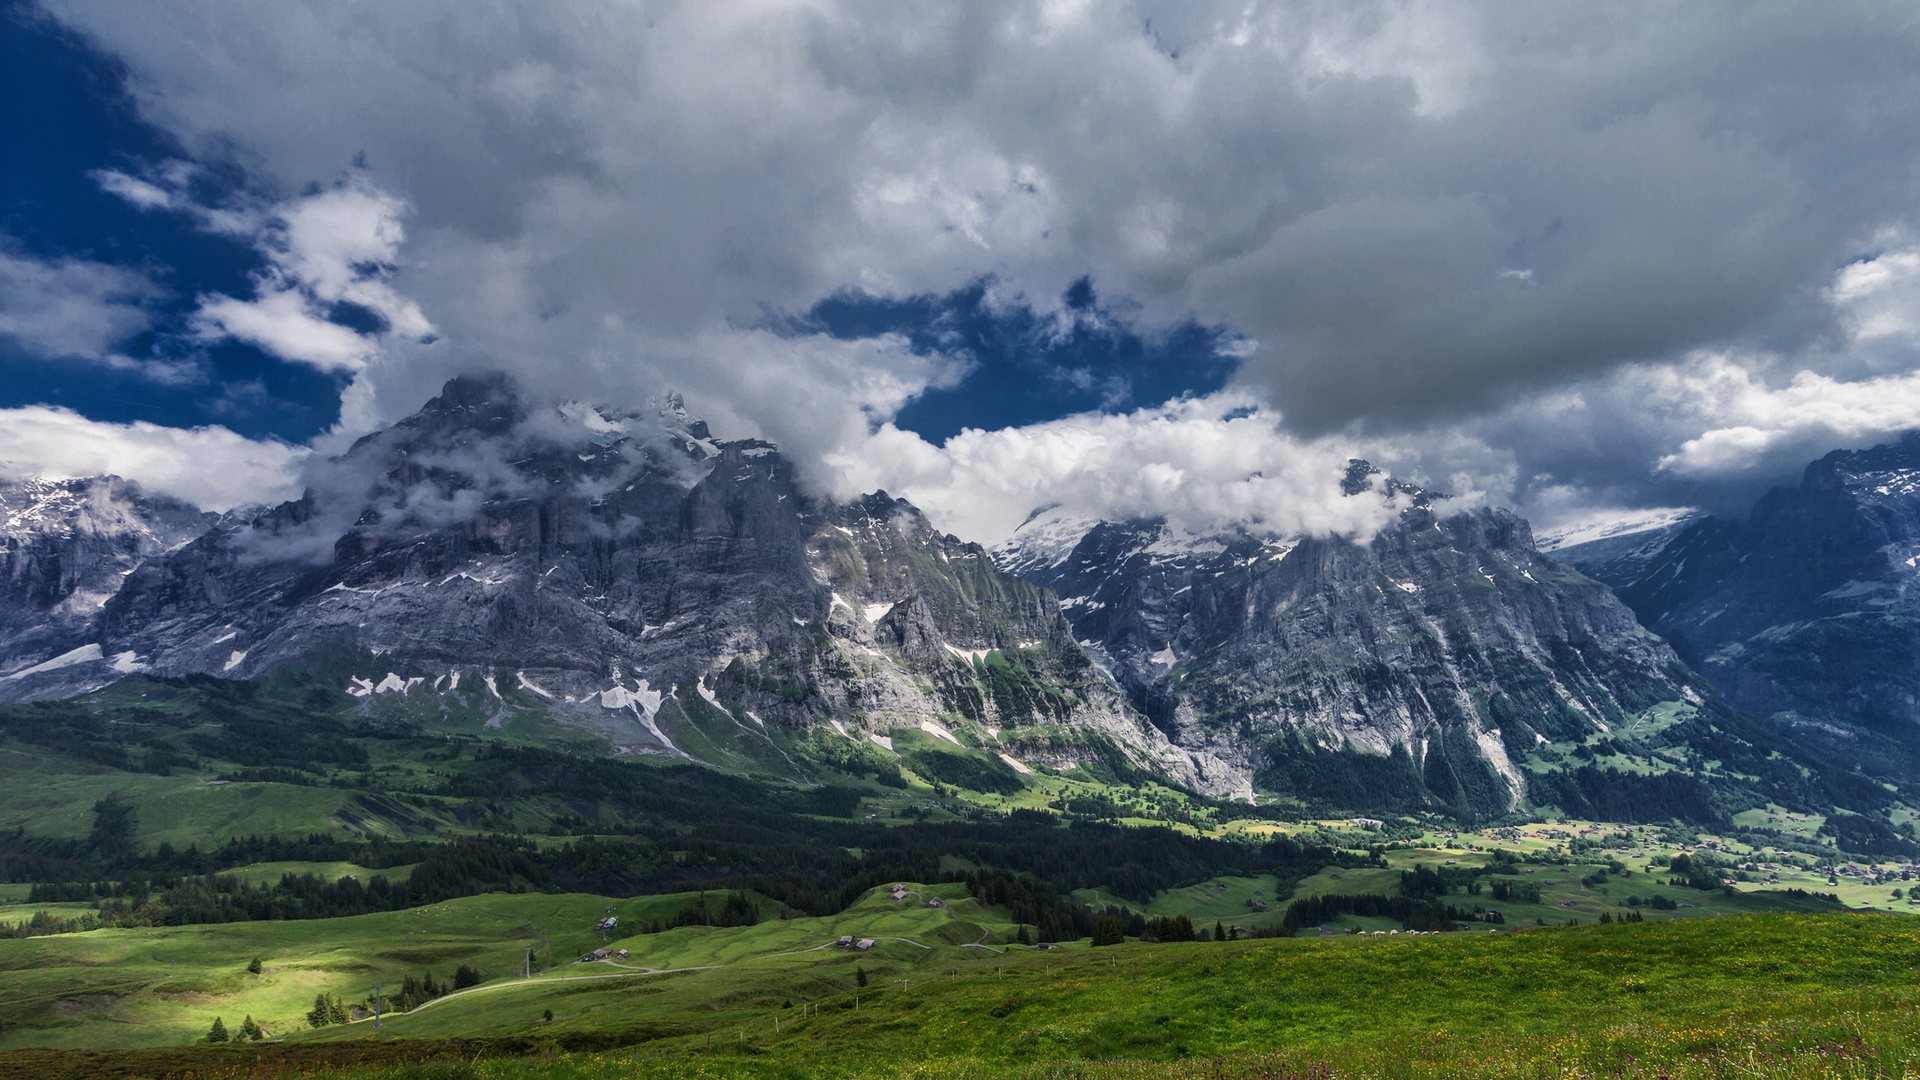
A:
{"points": [[1202, 464]]}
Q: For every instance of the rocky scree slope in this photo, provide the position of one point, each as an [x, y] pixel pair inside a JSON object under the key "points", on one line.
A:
{"points": [[629, 575], [1443, 663]]}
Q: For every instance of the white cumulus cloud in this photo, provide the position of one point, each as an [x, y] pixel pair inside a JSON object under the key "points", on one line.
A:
{"points": [[1811, 413], [328, 247]]}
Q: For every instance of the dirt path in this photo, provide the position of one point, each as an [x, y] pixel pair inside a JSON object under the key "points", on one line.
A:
{"points": [[981, 943], [546, 948], [631, 974]]}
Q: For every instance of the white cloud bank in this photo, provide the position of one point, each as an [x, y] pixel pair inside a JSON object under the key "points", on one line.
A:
{"points": [[211, 467], [1812, 410], [1201, 463]]}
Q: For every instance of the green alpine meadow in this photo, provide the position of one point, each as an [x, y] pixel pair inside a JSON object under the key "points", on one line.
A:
{"points": [[371, 898]]}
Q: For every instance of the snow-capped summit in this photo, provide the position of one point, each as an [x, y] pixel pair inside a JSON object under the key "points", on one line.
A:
{"points": [[1614, 525], [1806, 611]]}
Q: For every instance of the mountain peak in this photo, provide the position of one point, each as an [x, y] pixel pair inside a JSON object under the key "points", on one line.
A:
{"points": [[1842, 468], [487, 401]]}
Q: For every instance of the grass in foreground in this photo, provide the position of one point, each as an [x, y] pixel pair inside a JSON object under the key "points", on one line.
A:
{"points": [[1763, 996]]}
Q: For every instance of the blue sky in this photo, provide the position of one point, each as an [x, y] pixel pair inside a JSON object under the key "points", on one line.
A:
{"points": [[68, 115], [1582, 261], [1028, 368]]}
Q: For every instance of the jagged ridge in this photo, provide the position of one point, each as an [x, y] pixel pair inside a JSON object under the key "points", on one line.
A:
{"points": [[1424, 667], [632, 575]]}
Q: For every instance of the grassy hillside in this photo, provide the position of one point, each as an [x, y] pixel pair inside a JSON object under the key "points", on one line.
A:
{"points": [[156, 986], [163, 985], [117, 808], [1757, 995]]}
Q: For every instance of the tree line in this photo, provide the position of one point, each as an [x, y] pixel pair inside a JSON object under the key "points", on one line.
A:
{"points": [[1411, 912]]}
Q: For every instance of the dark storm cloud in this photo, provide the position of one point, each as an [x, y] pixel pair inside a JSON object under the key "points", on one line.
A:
{"points": [[1419, 213]]}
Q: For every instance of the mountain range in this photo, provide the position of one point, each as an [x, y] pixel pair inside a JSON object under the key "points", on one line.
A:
{"points": [[628, 579], [1804, 613]]}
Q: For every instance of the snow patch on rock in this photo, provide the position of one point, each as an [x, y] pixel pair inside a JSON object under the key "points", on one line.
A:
{"points": [[85, 654], [645, 699], [938, 731]]}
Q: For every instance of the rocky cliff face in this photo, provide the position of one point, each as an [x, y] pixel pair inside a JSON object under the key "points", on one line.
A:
{"points": [[1427, 665], [66, 548], [1807, 612], [630, 575]]}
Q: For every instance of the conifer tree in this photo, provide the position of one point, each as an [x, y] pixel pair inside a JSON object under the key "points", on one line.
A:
{"points": [[253, 966], [1177, 928], [1219, 932], [1107, 931], [860, 976], [249, 1030], [218, 1032]]}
